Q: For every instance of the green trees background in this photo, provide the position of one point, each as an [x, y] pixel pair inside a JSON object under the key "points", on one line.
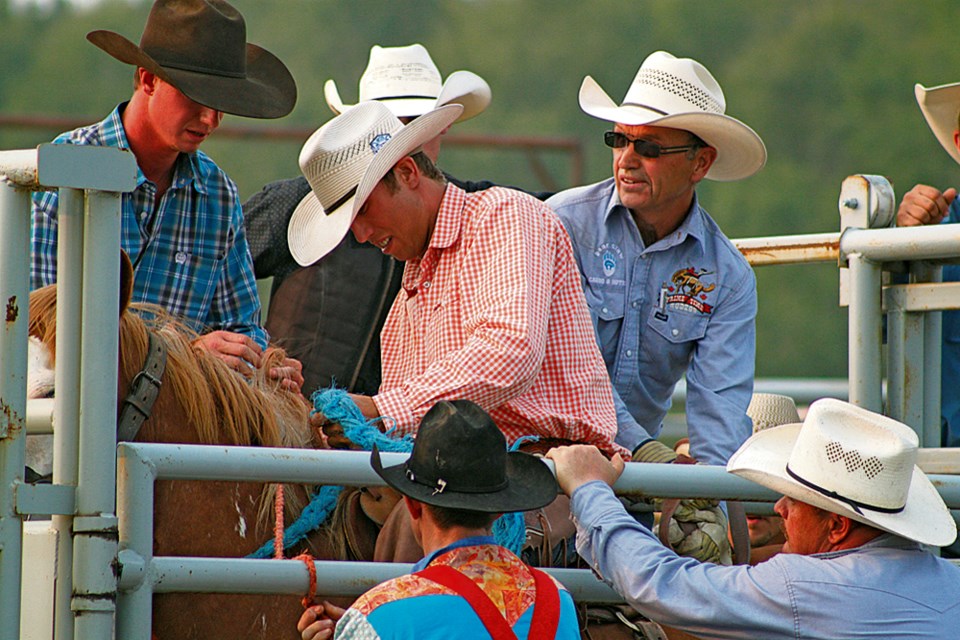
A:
{"points": [[828, 84]]}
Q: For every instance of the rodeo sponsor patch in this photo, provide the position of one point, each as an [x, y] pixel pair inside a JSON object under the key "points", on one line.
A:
{"points": [[687, 292]]}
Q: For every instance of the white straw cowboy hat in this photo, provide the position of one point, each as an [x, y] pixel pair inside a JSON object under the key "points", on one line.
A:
{"points": [[941, 106], [680, 93], [200, 47], [406, 80], [772, 410], [343, 161], [852, 462]]}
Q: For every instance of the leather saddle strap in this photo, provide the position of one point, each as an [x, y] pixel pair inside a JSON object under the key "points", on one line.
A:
{"points": [[143, 391], [546, 607]]}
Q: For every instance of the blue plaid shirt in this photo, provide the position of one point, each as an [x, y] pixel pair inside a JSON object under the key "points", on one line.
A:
{"points": [[190, 249], [684, 305]]}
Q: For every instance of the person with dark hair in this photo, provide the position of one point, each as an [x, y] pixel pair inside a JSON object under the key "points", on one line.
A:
{"points": [[329, 314], [182, 226], [490, 308], [457, 481]]}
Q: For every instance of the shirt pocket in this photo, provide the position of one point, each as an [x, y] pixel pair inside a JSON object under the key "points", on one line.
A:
{"points": [[608, 310], [197, 276], [445, 330], [668, 342]]}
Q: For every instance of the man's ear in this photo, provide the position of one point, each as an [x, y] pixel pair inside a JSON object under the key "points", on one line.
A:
{"points": [[415, 508], [839, 527], [148, 81], [704, 159], [407, 172]]}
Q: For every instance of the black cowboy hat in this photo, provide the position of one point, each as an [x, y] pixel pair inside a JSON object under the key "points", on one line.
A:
{"points": [[200, 47], [460, 461]]}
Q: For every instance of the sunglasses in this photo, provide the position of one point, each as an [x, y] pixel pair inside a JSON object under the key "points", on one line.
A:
{"points": [[644, 148]]}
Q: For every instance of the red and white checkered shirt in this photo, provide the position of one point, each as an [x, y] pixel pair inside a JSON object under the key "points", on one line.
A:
{"points": [[494, 312]]}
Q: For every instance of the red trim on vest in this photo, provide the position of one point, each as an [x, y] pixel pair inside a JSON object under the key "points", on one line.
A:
{"points": [[546, 606]]}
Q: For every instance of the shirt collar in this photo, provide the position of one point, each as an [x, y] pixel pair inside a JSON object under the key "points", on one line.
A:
{"points": [[187, 170], [693, 223], [449, 218], [472, 541]]}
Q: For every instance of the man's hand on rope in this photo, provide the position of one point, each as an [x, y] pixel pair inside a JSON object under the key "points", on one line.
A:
{"points": [[330, 433], [695, 528], [318, 622]]}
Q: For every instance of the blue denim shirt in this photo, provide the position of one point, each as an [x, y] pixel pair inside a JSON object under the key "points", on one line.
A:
{"points": [[190, 249], [685, 305], [888, 588]]}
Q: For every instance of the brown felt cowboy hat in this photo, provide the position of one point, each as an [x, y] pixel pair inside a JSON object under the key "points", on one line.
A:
{"points": [[201, 48], [460, 461]]}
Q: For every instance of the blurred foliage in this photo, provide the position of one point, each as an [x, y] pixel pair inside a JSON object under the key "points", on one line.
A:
{"points": [[828, 84]]}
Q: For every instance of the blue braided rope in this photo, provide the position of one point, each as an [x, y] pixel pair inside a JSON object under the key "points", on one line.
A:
{"points": [[337, 406]]}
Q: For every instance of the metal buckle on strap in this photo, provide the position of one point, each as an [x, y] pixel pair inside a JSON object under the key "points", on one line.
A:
{"points": [[143, 391]]}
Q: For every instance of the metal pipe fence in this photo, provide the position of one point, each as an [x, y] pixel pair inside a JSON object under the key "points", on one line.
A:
{"points": [[97, 534]]}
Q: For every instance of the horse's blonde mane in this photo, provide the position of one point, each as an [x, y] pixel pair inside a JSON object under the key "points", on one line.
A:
{"points": [[225, 407]]}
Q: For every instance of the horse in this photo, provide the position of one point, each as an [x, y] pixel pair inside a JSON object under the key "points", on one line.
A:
{"points": [[202, 401]]}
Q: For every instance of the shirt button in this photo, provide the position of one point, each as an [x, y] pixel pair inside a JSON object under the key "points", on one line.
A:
{"points": [[604, 310], [675, 333], [634, 304], [426, 285], [181, 257], [143, 215], [629, 353]]}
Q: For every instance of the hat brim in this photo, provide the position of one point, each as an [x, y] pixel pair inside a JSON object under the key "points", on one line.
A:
{"points": [[461, 87], [740, 151], [530, 485], [941, 106], [267, 91], [313, 233], [763, 459]]}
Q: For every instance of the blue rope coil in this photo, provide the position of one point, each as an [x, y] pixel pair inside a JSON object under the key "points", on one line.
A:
{"points": [[337, 406]]}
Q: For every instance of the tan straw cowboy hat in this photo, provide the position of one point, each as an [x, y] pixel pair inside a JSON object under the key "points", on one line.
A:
{"points": [[200, 47], [460, 461], [681, 94], [768, 410], [406, 80], [852, 462], [941, 106], [343, 161]]}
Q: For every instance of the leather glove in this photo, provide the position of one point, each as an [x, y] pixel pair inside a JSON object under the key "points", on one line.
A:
{"points": [[695, 528]]}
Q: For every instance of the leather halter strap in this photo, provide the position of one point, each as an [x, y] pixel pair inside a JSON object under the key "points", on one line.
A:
{"points": [[143, 391], [546, 606]]}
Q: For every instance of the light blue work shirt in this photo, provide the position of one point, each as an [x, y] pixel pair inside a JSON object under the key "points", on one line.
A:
{"points": [[888, 588], [950, 355], [687, 304]]}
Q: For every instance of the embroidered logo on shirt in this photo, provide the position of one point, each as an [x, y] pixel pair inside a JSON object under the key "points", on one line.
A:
{"points": [[610, 255], [687, 292]]}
